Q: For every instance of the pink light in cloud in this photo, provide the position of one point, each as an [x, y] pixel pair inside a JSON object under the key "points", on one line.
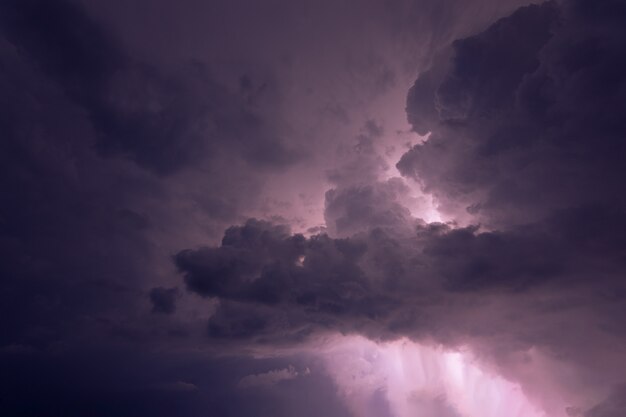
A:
{"points": [[419, 380]]}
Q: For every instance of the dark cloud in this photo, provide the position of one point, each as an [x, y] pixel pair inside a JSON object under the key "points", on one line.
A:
{"points": [[162, 120], [92, 381], [135, 110], [260, 264], [389, 284], [84, 237], [525, 118], [163, 300], [470, 261]]}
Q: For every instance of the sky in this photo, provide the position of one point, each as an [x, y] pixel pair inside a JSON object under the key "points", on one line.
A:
{"points": [[341, 208]]}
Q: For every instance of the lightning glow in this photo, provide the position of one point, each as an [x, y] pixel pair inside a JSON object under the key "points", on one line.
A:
{"points": [[418, 380]]}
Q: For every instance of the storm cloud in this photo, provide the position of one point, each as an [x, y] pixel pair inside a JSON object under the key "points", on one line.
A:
{"points": [[525, 142], [245, 210]]}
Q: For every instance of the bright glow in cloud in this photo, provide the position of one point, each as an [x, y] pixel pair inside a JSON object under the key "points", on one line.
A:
{"points": [[422, 206], [418, 380]]}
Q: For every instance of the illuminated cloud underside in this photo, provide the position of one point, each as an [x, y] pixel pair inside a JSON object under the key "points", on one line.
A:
{"points": [[418, 380]]}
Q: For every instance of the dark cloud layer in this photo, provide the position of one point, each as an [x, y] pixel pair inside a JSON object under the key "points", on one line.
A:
{"points": [[91, 381], [163, 121], [163, 299], [84, 126]]}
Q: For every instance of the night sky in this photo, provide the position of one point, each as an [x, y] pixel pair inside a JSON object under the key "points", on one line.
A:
{"points": [[294, 208]]}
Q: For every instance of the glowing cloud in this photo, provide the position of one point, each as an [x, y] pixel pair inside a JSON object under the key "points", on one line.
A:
{"points": [[418, 380]]}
